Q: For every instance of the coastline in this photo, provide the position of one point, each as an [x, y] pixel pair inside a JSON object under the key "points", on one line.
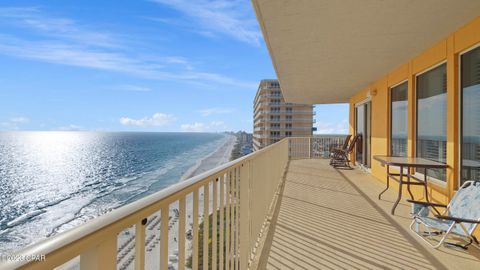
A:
{"points": [[126, 239], [218, 157], [152, 261]]}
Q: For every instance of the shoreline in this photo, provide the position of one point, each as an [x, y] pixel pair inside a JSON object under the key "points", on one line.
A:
{"points": [[220, 156], [214, 159], [126, 241]]}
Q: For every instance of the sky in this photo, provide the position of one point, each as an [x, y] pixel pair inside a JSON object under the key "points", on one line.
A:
{"points": [[135, 65]]}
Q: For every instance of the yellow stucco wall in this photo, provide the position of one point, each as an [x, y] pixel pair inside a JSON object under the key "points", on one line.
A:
{"points": [[446, 50]]}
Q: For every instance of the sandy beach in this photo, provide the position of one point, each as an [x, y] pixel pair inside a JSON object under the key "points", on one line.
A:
{"points": [[218, 157], [126, 240]]}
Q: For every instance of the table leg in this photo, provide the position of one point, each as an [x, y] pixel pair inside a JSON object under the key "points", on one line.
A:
{"points": [[408, 184], [400, 185], [425, 183], [388, 183]]}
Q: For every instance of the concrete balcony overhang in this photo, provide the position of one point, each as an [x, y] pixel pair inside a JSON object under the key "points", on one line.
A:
{"points": [[325, 51]]}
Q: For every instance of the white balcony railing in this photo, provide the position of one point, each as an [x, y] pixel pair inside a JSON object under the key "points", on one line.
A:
{"points": [[240, 193], [302, 120], [308, 112], [314, 147], [283, 128], [239, 198]]}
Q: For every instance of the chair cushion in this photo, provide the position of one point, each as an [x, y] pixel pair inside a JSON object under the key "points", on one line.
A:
{"points": [[465, 203], [420, 210]]}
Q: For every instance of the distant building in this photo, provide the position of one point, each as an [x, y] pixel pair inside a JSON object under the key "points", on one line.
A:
{"points": [[243, 146], [274, 119]]}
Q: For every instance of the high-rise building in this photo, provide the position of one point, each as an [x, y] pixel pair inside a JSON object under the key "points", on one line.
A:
{"points": [[274, 119]]}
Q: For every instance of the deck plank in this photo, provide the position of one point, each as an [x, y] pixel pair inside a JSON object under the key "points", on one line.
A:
{"points": [[332, 219]]}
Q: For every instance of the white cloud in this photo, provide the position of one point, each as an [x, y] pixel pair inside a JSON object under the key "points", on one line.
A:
{"points": [[332, 128], [133, 88], [62, 41], [227, 17], [33, 19], [156, 120], [214, 126], [20, 120], [212, 111], [14, 123], [70, 127]]}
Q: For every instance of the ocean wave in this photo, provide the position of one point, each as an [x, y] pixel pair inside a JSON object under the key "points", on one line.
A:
{"points": [[100, 192], [200, 161], [42, 205], [21, 219], [138, 186]]}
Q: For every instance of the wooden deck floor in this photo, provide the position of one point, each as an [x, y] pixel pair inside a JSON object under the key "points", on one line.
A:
{"points": [[332, 219]]}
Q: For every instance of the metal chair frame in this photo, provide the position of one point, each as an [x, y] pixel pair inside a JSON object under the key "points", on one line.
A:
{"points": [[431, 231]]}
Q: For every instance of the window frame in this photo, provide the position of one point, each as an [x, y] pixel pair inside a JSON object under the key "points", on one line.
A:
{"points": [[391, 114], [458, 183], [438, 182]]}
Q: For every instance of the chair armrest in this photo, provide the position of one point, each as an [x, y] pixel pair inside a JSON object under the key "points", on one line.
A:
{"points": [[458, 220], [334, 147], [427, 203], [336, 151]]}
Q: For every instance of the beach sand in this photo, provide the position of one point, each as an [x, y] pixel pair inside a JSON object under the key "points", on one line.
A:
{"points": [[126, 240]]}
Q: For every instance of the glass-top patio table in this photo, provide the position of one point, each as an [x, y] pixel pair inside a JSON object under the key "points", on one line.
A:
{"points": [[407, 163]]}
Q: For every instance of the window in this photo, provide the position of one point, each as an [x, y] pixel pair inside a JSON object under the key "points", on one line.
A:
{"points": [[470, 140], [288, 134], [432, 118], [275, 118], [275, 133], [288, 126], [399, 120]]}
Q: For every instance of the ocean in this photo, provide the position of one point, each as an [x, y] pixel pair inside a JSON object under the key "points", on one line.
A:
{"points": [[53, 181]]}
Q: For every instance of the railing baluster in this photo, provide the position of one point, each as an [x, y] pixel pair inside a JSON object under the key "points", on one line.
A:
{"points": [[227, 222], [140, 245], [164, 237], [310, 147], [214, 224], [237, 218], [232, 219], [181, 234], [195, 231], [206, 210], [245, 244], [222, 221], [103, 256]]}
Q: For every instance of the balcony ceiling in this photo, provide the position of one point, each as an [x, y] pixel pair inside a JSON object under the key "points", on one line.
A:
{"points": [[324, 51]]}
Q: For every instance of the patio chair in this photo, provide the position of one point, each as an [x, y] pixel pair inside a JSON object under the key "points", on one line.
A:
{"points": [[336, 147], [340, 157], [460, 217]]}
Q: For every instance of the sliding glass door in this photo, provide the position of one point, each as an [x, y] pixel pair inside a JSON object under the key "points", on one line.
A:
{"points": [[362, 115], [470, 96]]}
